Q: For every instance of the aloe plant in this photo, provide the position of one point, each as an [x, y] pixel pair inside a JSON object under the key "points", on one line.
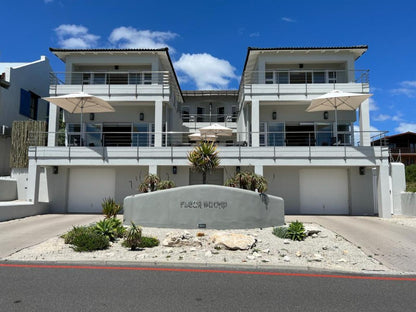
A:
{"points": [[296, 231], [133, 236], [204, 158]]}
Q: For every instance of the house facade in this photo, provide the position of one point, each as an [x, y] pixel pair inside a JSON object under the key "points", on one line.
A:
{"points": [[273, 135], [21, 87], [402, 147]]}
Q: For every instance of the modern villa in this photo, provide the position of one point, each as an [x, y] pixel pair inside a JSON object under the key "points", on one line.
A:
{"points": [[317, 165]]}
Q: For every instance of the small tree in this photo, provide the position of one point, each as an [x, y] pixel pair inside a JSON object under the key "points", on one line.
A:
{"points": [[248, 181], [153, 183], [204, 158]]}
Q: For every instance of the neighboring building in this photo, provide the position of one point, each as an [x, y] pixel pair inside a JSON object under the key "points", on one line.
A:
{"points": [[402, 147], [21, 87], [273, 135]]}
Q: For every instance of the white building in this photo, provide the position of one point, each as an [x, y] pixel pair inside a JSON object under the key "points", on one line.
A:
{"points": [[23, 85], [273, 134]]}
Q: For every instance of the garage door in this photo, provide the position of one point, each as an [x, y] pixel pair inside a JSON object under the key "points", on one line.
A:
{"points": [[215, 177], [88, 187], [323, 191]]}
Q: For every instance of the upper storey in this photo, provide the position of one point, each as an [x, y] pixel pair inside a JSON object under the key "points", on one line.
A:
{"points": [[117, 74], [302, 73]]}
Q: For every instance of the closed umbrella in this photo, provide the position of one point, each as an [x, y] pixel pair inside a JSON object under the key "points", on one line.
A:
{"points": [[80, 103], [337, 100]]}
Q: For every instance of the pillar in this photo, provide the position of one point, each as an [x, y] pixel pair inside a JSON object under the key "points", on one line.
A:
{"points": [[255, 123], [383, 191], [365, 135], [258, 169], [33, 182], [152, 169], [158, 123], [52, 124]]}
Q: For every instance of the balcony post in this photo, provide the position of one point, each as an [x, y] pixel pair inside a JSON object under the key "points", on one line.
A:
{"points": [[365, 124], [383, 191], [158, 123], [52, 124], [255, 123], [32, 194]]}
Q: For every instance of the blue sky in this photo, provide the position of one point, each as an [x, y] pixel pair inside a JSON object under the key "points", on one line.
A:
{"points": [[208, 40]]}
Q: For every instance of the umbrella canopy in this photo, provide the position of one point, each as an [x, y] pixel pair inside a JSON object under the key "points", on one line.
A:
{"points": [[216, 129], [337, 100], [79, 103], [197, 136]]}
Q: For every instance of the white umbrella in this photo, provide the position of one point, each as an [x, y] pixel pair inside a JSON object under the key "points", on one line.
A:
{"points": [[197, 136], [337, 100], [80, 103], [216, 129]]}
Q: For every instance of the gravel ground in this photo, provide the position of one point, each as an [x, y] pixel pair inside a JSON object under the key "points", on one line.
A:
{"points": [[327, 251]]}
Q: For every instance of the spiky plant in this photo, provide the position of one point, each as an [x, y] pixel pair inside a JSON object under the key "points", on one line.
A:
{"points": [[204, 158], [165, 184], [150, 183], [133, 236]]}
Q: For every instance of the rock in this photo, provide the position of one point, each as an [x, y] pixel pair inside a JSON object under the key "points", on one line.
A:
{"points": [[286, 241], [208, 254], [250, 257], [323, 235], [324, 247], [266, 251], [314, 235], [286, 258], [341, 260], [192, 249], [283, 252], [180, 240], [345, 252], [200, 234], [312, 232], [298, 254], [233, 241], [215, 252], [259, 240], [316, 258], [265, 260]]}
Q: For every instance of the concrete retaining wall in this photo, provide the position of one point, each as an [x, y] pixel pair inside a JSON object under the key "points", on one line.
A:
{"points": [[408, 204], [207, 206], [16, 210], [8, 189]]}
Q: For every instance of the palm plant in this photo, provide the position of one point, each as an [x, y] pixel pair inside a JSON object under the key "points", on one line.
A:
{"points": [[204, 158], [150, 183], [248, 181]]}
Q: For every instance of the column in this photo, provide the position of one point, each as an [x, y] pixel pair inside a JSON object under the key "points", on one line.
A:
{"points": [[383, 191], [53, 124], [153, 169], [365, 124], [158, 123], [258, 169], [32, 193], [255, 123]]}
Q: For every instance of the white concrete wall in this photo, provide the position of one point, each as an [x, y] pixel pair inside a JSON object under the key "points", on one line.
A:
{"points": [[398, 179], [408, 204], [8, 189], [21, 176]]}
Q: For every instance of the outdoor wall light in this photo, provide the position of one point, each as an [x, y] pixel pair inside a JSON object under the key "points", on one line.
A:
{"points": [[362, 170], [141, 116], [274, 115], [92, 116], [116, 67], [325, 115], [237, 169], [174, 170], [55, 169], [300, 65]]}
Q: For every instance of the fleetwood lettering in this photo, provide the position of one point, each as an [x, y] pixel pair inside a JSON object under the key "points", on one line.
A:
{"points": [[204, 204]]}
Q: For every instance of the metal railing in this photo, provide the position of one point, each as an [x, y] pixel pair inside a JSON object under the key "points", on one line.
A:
{"points": [[171, 138]]}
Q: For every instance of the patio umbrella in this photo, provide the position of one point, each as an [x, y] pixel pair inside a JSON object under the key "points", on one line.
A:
{"points": [[337, 100], [197, 136], [216, 129], [80, 103]]}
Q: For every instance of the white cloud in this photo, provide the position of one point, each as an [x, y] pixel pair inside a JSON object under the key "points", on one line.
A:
{"points": [[288, 19], [75, 37], [372, 104], [207, 71], [381, 117], [255, 34], [407, 88], [404, 127], [132, 38]]}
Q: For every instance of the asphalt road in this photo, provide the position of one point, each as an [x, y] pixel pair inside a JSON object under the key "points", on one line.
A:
{"points": [[22, 233], [135, 289]]}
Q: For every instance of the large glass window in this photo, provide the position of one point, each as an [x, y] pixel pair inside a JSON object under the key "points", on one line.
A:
{"points": [[323, 134], [272, 134], [93, 134], [319, 77], [74, 134]]}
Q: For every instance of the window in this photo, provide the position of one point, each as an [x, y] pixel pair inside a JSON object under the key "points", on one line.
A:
{"points": [[332, 77], [86, 78], [200, 114], [99, 78], [29, 104], [234, 110], [319, 77], [282, 77], [269, 78], [74, 134], [185, 113], [220, 112]]}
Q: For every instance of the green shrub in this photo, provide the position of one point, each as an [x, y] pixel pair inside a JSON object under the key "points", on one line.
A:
{"points": [[112, 228], [76, 231], [248, 181], [280, 231], [110, 208], [149, 242], [296, 231], [133, 237], [90, 241]]}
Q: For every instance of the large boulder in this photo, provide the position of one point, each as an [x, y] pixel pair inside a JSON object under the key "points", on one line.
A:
{"points": [[180, 240], [233, 241]]}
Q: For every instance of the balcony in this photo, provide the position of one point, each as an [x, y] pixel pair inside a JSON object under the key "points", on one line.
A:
{"points": [[289, 84], [196, 121], [112, 84]]}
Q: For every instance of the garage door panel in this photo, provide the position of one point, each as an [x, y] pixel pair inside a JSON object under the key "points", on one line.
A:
{"points": [[88, 187], [324, 191]]}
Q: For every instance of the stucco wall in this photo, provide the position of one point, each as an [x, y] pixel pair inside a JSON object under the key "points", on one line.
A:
{"points": [[21, 210], [213, 206], [408, 201], [5, 144], [8, 189]]}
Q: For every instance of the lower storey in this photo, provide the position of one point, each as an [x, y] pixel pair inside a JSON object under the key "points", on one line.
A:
{"points": [[305, 190]]}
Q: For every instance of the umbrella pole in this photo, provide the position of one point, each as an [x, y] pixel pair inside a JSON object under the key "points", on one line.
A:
{"points": [[336, 125], [81, 128]]}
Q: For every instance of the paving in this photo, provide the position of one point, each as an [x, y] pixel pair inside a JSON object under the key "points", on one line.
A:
{"points": [[392, 244], [22, 233]]}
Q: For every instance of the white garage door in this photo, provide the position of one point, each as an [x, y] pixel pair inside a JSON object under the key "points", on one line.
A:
{"points": [[215, 177], [323, 191], [88, 187]]}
